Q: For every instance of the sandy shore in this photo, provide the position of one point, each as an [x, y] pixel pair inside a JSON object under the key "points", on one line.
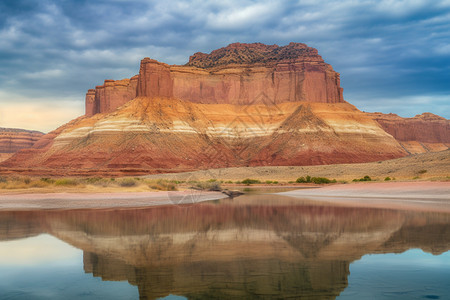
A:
{"points": [[103, 200], [428, 196]]}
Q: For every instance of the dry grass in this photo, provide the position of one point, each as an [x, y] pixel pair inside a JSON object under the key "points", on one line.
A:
{"points": [[428, 166]]}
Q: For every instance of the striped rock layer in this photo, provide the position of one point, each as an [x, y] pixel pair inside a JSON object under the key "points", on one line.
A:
{"points": [[423, 133], [13, 140], [149, 135], [241, 105]]}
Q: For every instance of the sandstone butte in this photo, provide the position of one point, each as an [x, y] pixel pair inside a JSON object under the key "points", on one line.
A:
{"points": [[241, 105], [13, 140]]}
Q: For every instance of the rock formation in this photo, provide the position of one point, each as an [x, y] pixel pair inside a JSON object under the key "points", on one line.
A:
{"points": [[13, 140], [242, 105], [151, 135], [237, 74], [423, 133]]}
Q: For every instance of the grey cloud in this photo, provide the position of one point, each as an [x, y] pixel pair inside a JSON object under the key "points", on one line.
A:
{"points": [[383, 49]]}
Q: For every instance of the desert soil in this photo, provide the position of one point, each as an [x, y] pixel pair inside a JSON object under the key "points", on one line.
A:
{"points": [[426, 166]]}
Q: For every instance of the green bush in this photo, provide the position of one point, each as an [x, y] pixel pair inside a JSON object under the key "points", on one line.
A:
{"points": [[301, 180], [365, 178], [320, 180], [269, 181], [387, 178], [422, 171], [275, 182], [249, 181], [316, 180]]}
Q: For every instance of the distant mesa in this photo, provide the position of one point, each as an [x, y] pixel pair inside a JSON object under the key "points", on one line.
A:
{"points": [[423, 133], [14, 139], [241, 105]]}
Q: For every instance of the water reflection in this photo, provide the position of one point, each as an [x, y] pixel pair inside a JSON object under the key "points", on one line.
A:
{"points": [[253, 247]]}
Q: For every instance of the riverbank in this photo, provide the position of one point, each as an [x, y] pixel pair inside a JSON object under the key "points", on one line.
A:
{"points": [[427, 196], [104, 200]]}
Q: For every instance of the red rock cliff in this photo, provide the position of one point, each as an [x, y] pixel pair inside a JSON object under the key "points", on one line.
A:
{"points": [[427, 127], [236, 74]]}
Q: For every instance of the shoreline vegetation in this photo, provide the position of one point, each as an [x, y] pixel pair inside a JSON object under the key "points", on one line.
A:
{"points": [[30, 185], [429, 166]]}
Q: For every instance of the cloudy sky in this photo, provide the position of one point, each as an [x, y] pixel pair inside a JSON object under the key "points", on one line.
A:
{"points": [[393, 55]]}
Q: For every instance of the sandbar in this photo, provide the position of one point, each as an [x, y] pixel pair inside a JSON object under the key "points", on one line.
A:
{"points": [[104, 200], [427, 196]]}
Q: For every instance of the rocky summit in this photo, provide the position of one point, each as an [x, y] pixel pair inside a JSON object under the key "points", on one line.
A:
{"points": [[241, 105]]}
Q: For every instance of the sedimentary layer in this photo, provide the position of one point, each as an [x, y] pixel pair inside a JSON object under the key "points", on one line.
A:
{"points": [[162, 134], [13, 140], [423, 133]]}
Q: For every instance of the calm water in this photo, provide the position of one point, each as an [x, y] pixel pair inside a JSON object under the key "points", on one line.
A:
{"points": [[252, 247]]}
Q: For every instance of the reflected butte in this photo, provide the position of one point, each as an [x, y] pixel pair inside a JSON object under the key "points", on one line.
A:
{"points": [[229, 249], [241, 105]]}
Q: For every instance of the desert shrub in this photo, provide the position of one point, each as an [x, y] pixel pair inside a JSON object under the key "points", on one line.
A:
{"points": [[229, 181], [208, 186], [163, 185], [387, 178], [301, 180], [26, 180], [320, 180], [416, 177], [365, 178], [3, 179], [212, 180], [422, 171], [39, 183], [65, 182], [238, 182], [47, 180], [269, 181], [316, 180], [249, 181], [275, 182], [127, 182], [93, 180]]}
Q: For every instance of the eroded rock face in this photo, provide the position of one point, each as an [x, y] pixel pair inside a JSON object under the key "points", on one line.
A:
{"points": [[110, 95], [151, 135], [13, 140], [423, 133], [242, 105], [237, 74]]}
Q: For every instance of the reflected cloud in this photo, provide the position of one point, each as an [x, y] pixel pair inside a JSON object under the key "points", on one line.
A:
{"points": [[40, 250]]}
